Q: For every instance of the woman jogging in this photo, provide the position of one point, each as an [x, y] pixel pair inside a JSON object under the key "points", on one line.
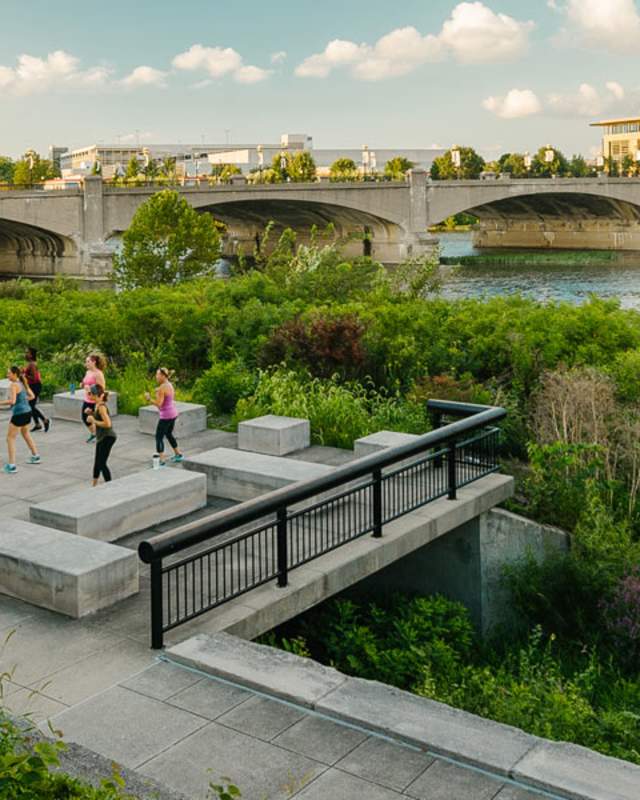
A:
{"points": [[19, 396], [32, 374], [94, 376], [101, 427], [165, 404]]}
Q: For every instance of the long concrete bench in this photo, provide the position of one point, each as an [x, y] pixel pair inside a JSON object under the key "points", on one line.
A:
{"points": [[113, 510], [241, 475], [69, 406], [192, 419], [68, 574], [4, 388], [383, 440]]}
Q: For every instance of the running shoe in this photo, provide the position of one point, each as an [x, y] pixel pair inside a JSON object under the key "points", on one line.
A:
{"points": [[33, 459], [163, 464], [9, 469], [47, 425], [177, 458], [91, 438], [36, 428]]}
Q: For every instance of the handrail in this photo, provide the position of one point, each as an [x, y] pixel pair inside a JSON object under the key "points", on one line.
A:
{"points": [[193, 533]]}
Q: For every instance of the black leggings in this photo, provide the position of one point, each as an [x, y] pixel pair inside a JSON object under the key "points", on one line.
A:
{"points": [[103, 449], [165, 428], [91, 407], [36, 415]]}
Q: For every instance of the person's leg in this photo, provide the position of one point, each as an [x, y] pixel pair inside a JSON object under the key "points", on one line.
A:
{"points": [[161, 430], [100, 460], [11, 443], [173, 441], [108, 444], [36, 415], [28, 440]]}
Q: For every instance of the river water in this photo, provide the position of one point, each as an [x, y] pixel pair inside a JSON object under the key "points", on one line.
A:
{"points": [[542, 282]]}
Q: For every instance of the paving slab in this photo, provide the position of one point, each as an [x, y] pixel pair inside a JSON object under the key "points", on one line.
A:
{"points": [[259, 667], [578, 773], [259, 769], [162, 681], [261, 717], [444, 781], [510, 792], [37, 707], [126, 726], [89, 676], [387, 763], [427, 724], [320, 738], [209, 698], [338, 785]]}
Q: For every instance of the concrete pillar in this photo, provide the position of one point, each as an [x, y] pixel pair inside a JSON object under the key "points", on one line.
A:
{"points": [[418, 241], [93, 209]]}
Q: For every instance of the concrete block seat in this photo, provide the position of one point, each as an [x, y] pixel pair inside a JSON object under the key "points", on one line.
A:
{"points": [[68, 574], [113, 510], [69, 406], [240, 475], [4, 388], [274, 435], [192, 419]]}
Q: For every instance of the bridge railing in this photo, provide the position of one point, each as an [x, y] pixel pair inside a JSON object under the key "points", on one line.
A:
{"points": [[199, 566]]}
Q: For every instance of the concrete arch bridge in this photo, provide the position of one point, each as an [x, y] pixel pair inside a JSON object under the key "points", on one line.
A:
{"points": [[44, 233]]}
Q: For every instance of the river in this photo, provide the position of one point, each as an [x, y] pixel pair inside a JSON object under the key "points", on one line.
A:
{"points": [[540, 281]]}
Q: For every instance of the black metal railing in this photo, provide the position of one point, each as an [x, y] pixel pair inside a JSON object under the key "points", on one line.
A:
{"points": [[199, 566]]}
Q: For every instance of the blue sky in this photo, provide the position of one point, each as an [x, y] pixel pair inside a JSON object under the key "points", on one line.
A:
{"points": [[498, 74]]}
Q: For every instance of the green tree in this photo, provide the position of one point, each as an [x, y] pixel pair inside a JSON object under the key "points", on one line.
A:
{"points": [[397, 167], [151, 170], [628, 166], [513, 164], [224, 172], [611, 167], [280, 167], [167, 242], [96, 168], [133, 168], [33, 169], [344, 169], [578, 167], [542, 168], [301, 167], [7, 168], [168, 167], [471, 165]]}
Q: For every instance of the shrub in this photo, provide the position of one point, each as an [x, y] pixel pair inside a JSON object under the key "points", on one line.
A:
{"points": [[622, 616], [222, 385], [324, 346]]}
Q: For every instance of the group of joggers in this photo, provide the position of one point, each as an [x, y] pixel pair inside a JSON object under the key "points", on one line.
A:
{"points": [[25, 385]]}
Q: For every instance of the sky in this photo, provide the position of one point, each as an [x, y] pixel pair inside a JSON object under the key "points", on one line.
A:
{"points": [[498, 75]]}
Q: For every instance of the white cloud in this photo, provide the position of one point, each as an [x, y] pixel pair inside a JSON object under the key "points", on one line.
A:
{"points": [[587, 101], [472, 34], [145, 76], [516, 103], [612, 25], [57, 70], [279, 58], [616, 89], [475, 34], [218, 62]]}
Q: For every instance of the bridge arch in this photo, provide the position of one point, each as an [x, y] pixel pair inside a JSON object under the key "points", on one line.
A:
{"points": [[30, 250]]}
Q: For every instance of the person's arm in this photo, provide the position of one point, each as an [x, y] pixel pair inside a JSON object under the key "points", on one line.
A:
{"points": [[13, 393], [105, 419], [159, 397]]}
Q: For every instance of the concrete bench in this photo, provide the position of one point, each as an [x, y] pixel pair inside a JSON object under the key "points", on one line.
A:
{"points": [[113, 510], [382, 440], [69, 406], [192, 419], [238, 475], [68, 574], [274, 435], [4, 388]]}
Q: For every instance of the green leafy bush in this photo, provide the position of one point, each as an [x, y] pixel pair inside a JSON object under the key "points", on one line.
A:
{"points": [[222, 385]]}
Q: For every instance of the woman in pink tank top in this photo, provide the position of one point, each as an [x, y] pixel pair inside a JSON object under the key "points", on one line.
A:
{"points": [[168, 413], [94, 375]]}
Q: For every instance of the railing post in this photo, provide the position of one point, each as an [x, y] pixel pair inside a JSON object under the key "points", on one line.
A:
{"points": [[157, 611], [283, 547], [451, 468], [377, 503]]}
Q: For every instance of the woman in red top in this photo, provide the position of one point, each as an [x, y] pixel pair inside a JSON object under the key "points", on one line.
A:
{"points": [[32, 374]]}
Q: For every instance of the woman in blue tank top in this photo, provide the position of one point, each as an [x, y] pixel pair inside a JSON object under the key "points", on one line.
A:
{"points": [[19, 396]]}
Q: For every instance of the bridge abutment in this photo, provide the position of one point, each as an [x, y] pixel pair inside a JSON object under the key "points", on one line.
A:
{"points": [[593, 234]]}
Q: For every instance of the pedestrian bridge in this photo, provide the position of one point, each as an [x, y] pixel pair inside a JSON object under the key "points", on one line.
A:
{"points": [[72, 231]]}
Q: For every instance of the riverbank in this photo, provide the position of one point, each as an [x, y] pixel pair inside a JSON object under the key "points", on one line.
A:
{"points": [[531, 258]]}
